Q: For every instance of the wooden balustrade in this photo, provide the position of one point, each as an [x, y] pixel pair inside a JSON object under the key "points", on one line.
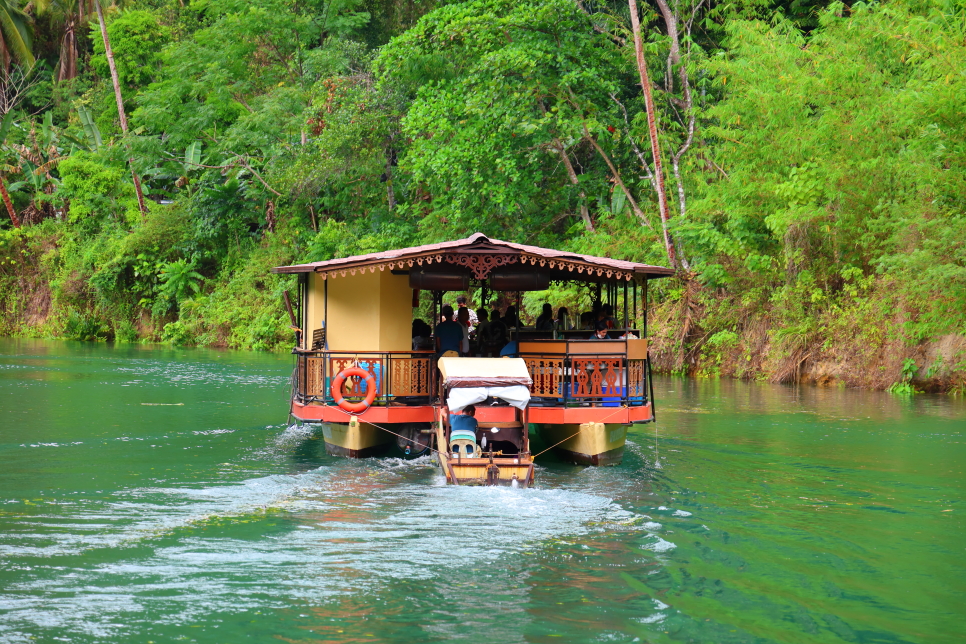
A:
{"points": [[398, 375], [588, 373]]}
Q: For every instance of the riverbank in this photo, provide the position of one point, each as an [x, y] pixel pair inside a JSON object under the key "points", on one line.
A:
{"points": [[864, 333], [872, 337]]}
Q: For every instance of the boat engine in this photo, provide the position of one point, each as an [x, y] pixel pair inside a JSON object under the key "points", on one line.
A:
{"points": [[411, 441]]}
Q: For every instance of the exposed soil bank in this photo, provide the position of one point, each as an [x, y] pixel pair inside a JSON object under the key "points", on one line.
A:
{"points": [[871, 340]]}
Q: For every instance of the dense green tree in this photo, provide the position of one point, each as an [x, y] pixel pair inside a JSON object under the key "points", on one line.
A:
{"points": [[505, 96], [842, 158], [14, 35]]}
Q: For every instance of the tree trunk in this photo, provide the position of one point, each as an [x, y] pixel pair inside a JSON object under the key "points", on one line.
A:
{"points": [[652, 130], [584, 212], [674, 60], [68, 52], [9, 204], [120, 100]]}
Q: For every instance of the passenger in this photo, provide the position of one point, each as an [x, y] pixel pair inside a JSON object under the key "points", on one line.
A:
{"points": [[463, 318], [587, 321], [464, 421], [422, 335], [510, 319], [600, 331], [545, 320], [443, 318], [606, 315], [461, 303], [563, 320], [449, 334], [493, 336], [483, 317]]}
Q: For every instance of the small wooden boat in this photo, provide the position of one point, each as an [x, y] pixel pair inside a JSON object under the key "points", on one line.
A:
{"points": [[358, 376], [494, 449]]}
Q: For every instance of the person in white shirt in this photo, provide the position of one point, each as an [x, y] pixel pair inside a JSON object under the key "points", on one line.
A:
{"points": [[461, 303]]}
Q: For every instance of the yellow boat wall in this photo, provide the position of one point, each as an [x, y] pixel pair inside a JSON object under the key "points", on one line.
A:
{"points": [[368, 311], [594, 443], [354, 439]]}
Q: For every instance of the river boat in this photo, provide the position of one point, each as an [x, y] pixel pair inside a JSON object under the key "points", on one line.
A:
{"points": [[359, 377]]}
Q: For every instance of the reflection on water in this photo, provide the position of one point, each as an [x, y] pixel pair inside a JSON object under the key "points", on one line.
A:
{"points": [[750, 513]]}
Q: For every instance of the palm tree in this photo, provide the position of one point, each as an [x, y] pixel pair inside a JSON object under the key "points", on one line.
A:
{"points": [[71, 15], [14, 35]]}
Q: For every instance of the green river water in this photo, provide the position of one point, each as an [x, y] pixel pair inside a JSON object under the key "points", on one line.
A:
{"points": [[158, 495]]}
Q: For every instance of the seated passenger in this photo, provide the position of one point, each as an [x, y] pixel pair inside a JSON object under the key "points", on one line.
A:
{"points": [[449, 334], [493, 336], [462, 437], [465, 421], [600, 331], [607, 315], [545, 320], [480, 330], [563, 320], [510, 318], [422, 335]]}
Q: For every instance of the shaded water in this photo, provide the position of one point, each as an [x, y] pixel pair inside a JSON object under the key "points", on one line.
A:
{"points": [[158, 495]]}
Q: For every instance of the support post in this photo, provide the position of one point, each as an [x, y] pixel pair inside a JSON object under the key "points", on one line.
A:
{"points": [[625, 306], [644, 305], [634, 297]]}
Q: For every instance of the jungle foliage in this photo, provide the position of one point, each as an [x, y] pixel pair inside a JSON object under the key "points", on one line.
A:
{"points": [[814, 160]]}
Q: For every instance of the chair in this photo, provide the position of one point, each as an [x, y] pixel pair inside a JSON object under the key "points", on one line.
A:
{"points": [[318, 339]]}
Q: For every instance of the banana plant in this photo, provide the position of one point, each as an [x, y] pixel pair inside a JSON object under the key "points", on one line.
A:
{"points": [[94, 140], [38, 157]]}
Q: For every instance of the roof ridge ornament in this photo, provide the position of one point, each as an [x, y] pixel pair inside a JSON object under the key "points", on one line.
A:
{"points": [[480, 263]]}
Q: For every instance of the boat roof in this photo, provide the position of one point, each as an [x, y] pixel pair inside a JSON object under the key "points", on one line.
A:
{"points": [[480, 255]]}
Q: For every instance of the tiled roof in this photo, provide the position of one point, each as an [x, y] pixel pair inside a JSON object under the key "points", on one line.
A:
{"points": [[480, 244]]}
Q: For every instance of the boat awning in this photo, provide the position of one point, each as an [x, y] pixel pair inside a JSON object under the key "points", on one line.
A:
{"points": [[515, 395], [484, 372], [479, 256]]}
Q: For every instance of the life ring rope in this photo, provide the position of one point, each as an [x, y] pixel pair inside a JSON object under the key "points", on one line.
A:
{"points": [[339, 381]]}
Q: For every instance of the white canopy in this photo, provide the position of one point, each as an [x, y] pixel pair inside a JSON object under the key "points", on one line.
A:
{"points": [[459, 397]]}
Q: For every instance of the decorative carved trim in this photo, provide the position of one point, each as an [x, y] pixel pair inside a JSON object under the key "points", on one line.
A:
{"points": [[481, 263], [566, 265], [396, 263]]}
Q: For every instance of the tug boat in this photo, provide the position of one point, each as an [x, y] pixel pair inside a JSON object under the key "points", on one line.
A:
{"points": [[358, 376]]}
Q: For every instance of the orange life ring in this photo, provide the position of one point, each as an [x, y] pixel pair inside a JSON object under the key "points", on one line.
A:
{"points": [[339, 380]]}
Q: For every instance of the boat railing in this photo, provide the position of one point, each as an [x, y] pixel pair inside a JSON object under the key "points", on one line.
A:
{"points": [[588, 373], [401, 377]]}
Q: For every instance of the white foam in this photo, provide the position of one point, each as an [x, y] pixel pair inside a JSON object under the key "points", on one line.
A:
{"points": [[659, 545], [652, 619], [681, 513]]}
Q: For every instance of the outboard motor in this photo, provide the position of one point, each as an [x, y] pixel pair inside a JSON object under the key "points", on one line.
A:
{"points": [[411, 442]]}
